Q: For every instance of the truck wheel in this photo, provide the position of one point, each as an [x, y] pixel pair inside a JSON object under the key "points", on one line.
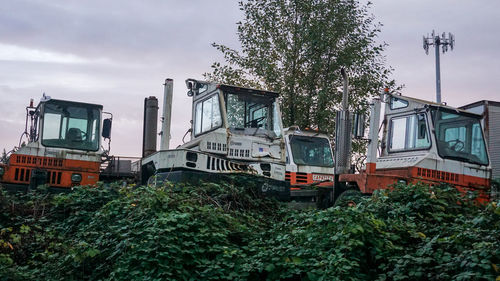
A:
{"points": [[324, 198], [348, 198], [495, 190]]}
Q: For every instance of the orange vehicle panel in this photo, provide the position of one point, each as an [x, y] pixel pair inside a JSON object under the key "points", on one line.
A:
{"points": [[59, 170], [303, 179], [382, 179]]}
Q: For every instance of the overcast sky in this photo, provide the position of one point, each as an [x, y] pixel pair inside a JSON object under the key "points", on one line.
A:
{"points": [[115, 53]]}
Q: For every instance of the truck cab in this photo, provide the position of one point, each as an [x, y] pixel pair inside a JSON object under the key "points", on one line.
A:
{"points": [[425, 142], [237, 123], [309, 158], [234, 130], [63, 147]]}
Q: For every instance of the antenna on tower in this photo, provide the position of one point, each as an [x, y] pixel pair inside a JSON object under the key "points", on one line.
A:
{"points": [[436, 41]]}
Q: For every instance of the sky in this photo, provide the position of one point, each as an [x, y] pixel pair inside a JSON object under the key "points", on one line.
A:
{"points": [[116, 53]]}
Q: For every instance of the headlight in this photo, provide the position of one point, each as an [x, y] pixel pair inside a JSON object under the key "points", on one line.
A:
{"points": [[76, 178]]}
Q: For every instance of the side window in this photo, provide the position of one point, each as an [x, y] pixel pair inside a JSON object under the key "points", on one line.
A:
{"points": [[398, 103], [95, 133], [51, 126], [408, 133], [197, 117], [478, 148], [207, 115]]}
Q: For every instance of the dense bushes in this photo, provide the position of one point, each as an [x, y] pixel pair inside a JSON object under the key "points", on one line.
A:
{"points": [[222, 231], [413, 232]]}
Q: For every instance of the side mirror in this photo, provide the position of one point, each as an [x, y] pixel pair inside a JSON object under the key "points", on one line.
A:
{"points": [[106, 128], [358, 125], [190, 84]]}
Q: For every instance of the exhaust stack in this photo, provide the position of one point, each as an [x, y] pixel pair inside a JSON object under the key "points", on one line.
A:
{"points": [[371, 156], [167, 114], [149, 126], [343, 132]]}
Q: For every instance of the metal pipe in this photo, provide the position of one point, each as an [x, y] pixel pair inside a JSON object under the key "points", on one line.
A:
{"points": [[371, 156], [167, 114], [150, 126], [343, 125], [343, 142], [345, 92], [438, 69]]}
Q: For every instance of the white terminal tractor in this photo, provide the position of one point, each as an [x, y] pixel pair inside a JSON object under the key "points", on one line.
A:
{"points": [[234, 130]]}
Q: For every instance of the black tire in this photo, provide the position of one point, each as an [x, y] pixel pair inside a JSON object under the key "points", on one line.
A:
{"points": [[324, 198], [348, 198], [495, 190]]}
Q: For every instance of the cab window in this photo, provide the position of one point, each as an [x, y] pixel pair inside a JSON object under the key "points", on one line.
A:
{"points": [[311, 151], [207, 115], [409, 133], [397, 103], [459, 137], [70, 125]]}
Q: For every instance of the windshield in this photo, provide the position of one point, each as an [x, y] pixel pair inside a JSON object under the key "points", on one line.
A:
{"points": [[311, 151], [252, 111], [459, 137], [69, 125]]}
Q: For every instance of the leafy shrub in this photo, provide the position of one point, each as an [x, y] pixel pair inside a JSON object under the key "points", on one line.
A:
{"points": [[223, 231]]}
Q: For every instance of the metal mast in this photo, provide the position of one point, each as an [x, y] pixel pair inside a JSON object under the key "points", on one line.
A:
{"points": [[438, 41]]}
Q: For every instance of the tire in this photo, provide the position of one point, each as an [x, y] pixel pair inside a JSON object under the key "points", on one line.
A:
{"points": [[495, 190], [348, 198], [324, 198]]}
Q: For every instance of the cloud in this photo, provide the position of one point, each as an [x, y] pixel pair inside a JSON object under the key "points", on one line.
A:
{"points": [[20, 54], [139, 31]]}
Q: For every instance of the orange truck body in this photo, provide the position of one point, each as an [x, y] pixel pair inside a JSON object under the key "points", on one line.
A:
{"points": [[63, 147], [424, 142]]}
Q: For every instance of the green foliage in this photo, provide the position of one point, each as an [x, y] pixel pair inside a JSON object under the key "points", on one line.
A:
{"points": [[297, 48], [225, 232], [130, 233], [4, 158]]}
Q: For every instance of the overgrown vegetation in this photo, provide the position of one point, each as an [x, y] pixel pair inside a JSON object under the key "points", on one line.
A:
{"points": [[225, 232]]}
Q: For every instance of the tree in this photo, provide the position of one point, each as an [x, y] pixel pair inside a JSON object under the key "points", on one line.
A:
{"points": [[297, 48], [4, 158]]}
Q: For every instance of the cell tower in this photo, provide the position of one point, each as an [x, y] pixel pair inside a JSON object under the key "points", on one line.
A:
{"points": [[438, 41]]}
